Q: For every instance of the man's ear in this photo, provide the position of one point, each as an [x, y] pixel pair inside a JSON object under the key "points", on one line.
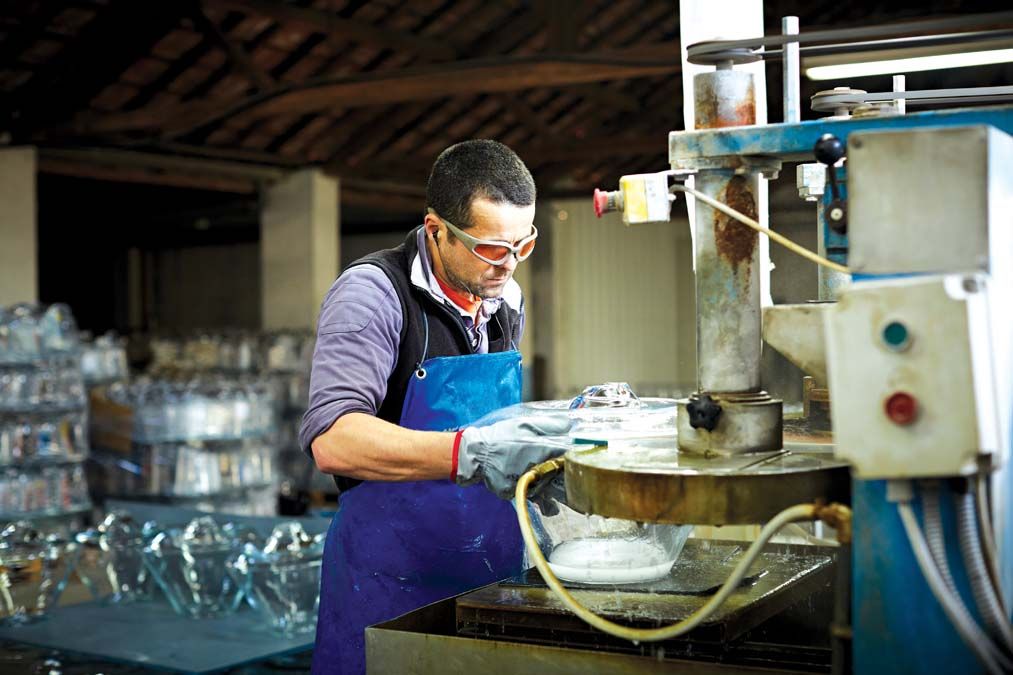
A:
{"points": [[432, 225]]}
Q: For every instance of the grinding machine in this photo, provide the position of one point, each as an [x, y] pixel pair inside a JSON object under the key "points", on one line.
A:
{"points": [[908, 349]]}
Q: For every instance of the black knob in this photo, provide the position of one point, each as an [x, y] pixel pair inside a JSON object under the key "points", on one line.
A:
{"points": [[703, 412], [828, 150]]}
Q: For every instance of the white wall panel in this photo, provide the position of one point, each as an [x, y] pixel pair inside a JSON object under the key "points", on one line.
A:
{"points": [[621, 300]]}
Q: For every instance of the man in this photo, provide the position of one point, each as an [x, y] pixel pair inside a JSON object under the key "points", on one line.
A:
{"points": [[413, 343]]}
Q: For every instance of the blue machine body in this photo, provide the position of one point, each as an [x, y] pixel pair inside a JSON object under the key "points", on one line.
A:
{"points": [[898, 626]]}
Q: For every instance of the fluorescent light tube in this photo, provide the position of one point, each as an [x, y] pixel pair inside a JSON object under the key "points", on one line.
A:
{"points": [[909, 65]]}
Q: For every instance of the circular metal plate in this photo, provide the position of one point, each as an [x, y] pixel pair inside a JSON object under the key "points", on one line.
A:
{"points": [[651, 481]]}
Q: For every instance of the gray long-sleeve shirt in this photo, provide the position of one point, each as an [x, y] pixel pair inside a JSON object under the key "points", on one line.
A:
{"points": [[358, 336]]}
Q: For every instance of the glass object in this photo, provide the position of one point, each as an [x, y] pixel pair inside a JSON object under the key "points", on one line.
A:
{"points": [[33, 573], [42, 490], [37, 438], [23, 333], [112, 563], [104, 359], [57, 329], [607, 395], [282, 580], [596, 550], [190, 568]]}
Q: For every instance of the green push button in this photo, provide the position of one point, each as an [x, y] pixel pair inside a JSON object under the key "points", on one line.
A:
{"points": [[896, 336]]}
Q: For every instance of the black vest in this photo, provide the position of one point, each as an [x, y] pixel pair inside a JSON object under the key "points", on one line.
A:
{"points": [[448, 335]]}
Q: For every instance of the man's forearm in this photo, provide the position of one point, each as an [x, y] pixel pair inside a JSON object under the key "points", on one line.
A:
{"points": [[361, 446]]}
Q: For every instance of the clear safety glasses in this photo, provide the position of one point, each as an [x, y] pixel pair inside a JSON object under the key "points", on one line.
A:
{"points": [[489, 250]]}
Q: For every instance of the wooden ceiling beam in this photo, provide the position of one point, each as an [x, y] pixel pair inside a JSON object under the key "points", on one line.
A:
{"points": [[240, 60], [350, 30], [96, 57], [411, 84], [595, 148]]}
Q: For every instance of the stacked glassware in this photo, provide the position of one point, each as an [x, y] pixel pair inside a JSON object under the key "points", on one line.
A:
{"points": [[282, 357], [43, 415], [206, 442], [103, 359], [288, 357]]}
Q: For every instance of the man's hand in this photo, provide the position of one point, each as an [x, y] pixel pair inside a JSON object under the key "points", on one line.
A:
{"points": [[500, 454]]}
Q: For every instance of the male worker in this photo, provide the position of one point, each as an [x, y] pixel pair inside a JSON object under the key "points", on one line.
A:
{"points": [[413, 343]]}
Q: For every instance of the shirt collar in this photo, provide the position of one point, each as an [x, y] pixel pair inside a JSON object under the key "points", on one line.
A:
{"points": [[423, 277]]}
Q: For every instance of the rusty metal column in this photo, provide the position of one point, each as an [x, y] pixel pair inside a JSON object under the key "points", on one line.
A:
{"points": [[729, 413], [727, 259]]}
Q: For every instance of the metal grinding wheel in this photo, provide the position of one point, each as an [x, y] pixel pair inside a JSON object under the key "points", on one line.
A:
{"points": [[651, 481]]}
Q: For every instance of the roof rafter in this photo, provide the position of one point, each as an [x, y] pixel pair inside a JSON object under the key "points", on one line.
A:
{"points": [[410, 84], [345, 29]]}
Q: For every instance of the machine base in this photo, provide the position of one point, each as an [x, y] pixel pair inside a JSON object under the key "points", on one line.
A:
{"points": [[778, 624]]}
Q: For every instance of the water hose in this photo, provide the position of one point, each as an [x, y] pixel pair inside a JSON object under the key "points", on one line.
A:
{"points": [[791, 514], [750, 222]]}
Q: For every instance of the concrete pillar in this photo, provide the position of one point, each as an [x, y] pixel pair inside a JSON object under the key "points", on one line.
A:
{"points": [[19, 260], [299, 227]]}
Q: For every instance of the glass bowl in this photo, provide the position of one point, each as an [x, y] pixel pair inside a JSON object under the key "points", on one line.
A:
{"points": [[281, 581], [190, 568], [33, 573], [112, 559], [596, 550]]}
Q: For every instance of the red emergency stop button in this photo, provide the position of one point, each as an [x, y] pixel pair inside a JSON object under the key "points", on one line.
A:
{"points": [[902, 408], [601, 202]]}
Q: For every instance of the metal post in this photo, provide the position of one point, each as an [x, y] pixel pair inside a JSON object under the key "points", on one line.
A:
{"points": [[900, 84], [728, 290], [790, 72]]}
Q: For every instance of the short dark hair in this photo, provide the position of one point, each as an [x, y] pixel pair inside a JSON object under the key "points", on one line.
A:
{"points": [[473, 169]]}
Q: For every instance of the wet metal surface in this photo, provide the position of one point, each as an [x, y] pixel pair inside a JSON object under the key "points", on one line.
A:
{"points": [[791, 574]]}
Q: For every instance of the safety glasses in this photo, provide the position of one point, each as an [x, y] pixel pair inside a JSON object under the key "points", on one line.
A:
{"points": [[491, 251]]}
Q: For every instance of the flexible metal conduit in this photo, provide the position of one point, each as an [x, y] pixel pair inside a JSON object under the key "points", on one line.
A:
{"points": [[988, 538], [969, 632], [985, 596], [936, 540]]}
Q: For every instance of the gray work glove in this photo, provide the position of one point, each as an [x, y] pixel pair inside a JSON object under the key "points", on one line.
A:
{"points": [[549, 493], [499, 454]]}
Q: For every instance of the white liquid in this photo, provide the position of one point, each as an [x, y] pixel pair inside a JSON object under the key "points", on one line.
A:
{"points": [[609, 561]]}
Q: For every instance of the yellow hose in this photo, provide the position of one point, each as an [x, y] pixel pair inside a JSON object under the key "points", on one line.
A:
{"points": [[791, 514], [746, 220]]}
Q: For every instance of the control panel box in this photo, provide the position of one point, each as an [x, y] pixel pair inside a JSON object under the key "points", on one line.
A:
{"points": [[931, 200], [912, 380]]}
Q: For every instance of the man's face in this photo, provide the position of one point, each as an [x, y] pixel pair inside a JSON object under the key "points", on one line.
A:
{"points": [[489, 220]]}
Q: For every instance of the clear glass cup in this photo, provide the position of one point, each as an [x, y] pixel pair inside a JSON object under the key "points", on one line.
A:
{"points": [[281, 581], [57, 329], [24, 338], [190, 568], [112, 562], [33, 573]]}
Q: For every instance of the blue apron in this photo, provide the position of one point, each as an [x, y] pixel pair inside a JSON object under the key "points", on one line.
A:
{"points": [[394, 547]]}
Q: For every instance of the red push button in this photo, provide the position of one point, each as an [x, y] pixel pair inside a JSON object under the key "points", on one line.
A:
{"points": [[601, 202], [901, 408]]}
